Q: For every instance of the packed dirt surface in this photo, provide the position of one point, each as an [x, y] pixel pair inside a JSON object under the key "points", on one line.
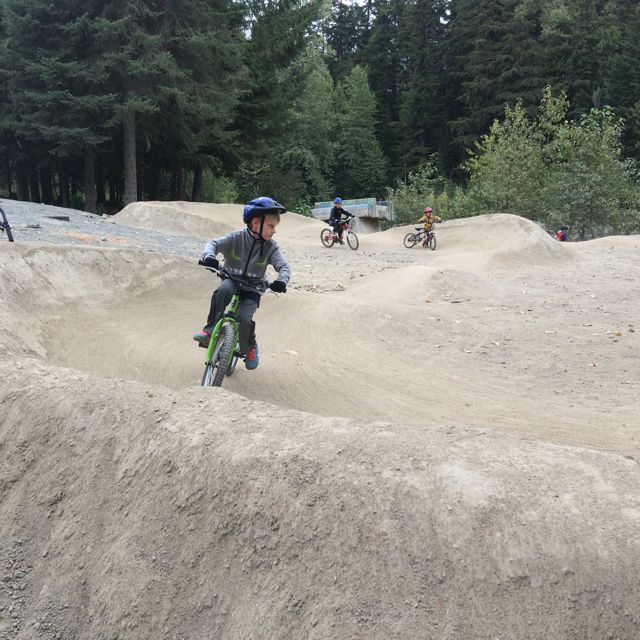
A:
{"points": [[436, 444]]}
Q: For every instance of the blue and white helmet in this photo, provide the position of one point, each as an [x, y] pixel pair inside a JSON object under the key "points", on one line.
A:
{"points": [[337, 201], [262, 206]]}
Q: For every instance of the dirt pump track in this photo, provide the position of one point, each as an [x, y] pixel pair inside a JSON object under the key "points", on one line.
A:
{"points": [[435, 445]]}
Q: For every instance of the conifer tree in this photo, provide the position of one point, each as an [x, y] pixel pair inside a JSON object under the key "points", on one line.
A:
{"points": [[423, 108], [361, 166], [622, 80], [278, 33], [55, 102], [381, 57], [308, 151], [346, 31], [493, 60]]}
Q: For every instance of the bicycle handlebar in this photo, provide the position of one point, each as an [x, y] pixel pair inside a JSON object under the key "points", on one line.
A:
{"points": [[221, 273]]}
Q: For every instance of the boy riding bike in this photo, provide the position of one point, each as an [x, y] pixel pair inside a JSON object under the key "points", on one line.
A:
{"points": [[247, 253], [335, 219]]}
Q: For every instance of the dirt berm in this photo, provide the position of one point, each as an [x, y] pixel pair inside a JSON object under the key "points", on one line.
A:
{"points": [[135, 504]]}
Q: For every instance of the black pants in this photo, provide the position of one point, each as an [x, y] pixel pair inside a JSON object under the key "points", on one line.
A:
{"points": [[249, 303]]}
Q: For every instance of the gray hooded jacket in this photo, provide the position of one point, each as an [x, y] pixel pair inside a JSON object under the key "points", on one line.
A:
{"points": [[249, 257]]}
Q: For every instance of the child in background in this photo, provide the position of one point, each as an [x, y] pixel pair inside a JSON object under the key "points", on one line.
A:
{"points": [[429, 220], [335, 220]]}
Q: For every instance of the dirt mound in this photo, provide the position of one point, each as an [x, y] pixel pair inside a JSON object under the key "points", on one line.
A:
{"points": [[409, 460], [188, 218], [135, 511], [209, 220]]}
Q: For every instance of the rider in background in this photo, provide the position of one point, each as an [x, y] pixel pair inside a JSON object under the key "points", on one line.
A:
{"points": [[247, 253], [335, 220], [429, 219], [563, 233]]}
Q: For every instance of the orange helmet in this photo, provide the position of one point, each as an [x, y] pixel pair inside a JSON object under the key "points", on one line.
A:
{"points": [[427, 210]]}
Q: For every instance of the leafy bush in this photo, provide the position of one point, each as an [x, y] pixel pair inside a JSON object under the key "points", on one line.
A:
{"points": [[425, 187], [557, 171], [218, 188]]}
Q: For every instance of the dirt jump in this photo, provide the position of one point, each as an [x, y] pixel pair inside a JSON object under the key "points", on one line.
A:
{"points": [[436, 444]]}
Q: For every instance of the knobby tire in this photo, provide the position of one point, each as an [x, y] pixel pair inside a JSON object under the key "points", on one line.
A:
{"points": [[326, 237], [352, 240], [432, 243], [220, 359], [410, 240]]}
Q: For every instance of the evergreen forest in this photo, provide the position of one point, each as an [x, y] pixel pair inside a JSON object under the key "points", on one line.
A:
{"points": [[524, 106]]}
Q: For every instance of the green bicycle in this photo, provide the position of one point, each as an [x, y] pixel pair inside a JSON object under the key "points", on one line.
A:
{"points": [[223, 351]]}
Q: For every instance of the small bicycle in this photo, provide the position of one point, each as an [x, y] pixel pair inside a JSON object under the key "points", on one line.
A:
{"points": [[5, 226], [223, 351], [329, 238], [426, 238]]}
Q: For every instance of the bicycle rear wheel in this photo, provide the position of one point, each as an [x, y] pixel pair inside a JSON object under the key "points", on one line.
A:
{"points": [[326, 236], [410, 240], [220, 358], [352, 240]]}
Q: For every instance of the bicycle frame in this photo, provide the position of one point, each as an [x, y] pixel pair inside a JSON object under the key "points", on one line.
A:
{"points": [[5, 226], [228, 317]]}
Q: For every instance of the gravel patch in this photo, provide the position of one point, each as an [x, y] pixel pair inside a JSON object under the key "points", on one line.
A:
{"points": [[32, 222]]}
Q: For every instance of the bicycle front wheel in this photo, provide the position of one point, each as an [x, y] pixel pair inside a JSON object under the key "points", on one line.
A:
{"points": [[352, 240], [432, 243], [410, 240], [326, 236], [220, 358]]}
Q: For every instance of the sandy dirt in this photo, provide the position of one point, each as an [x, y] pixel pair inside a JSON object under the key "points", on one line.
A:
{"points": [[437, 445]]}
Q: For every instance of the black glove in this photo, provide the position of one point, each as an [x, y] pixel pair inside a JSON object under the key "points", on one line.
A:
{"points": [[278, 286], [209, 261]]}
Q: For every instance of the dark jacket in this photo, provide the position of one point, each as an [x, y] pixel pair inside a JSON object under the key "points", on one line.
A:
{"points": [[337, 213]]}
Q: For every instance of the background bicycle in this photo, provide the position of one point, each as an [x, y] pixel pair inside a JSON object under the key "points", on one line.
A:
{"points": [[5, 226], [329, 238], [426, 238]]}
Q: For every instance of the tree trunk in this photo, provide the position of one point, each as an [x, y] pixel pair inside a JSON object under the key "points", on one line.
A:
{"points": [[9, 176], [34, 186], [196, 192], [64, 187], [153, 176], [101, 196], [179, 180], [113, 195], [89, 179], [47, 184], [130, 172], [22, 182]]}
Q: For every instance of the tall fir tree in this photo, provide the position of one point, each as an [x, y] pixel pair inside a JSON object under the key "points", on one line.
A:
{"points": [[308, 151], [278, 32], [622, 76], [381, 56], [346, 30], [54, 90], [422, 100], [576, 46], [361, 166], [494, 59]]}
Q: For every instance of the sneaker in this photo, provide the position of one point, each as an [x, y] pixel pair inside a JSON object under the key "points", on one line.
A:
{"points": [[252, 358], [202, 338]]}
